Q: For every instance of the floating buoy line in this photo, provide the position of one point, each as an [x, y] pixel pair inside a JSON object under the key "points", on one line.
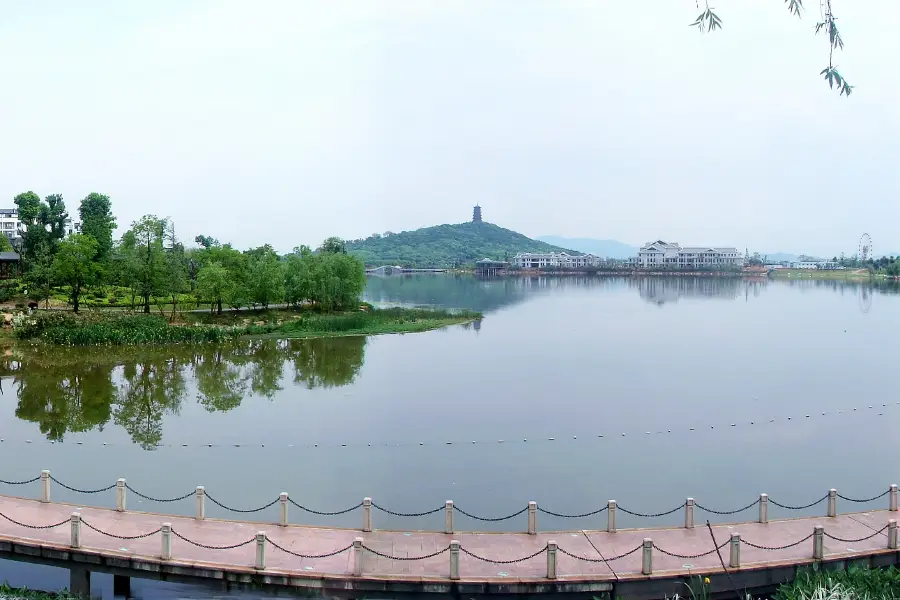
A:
{"points": [[873, 409]]}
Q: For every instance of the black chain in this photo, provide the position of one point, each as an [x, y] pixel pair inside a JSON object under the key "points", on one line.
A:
{"points": [[868, 537], [324, 513], [581, 516], [388, 556], [299, 555], [121, 537], [881, 495], [504, 562], [488, 519], [399, 514], [727, 512], [152, 499], [690, 556], [601, 560], [789, 507], [662, 514], [785, 547], [27, 481], [70, 488], [11, 520], [240, 510], [199, 545]]}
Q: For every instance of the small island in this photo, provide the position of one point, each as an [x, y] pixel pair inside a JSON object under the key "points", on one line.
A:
{"points": [[71, 284]]}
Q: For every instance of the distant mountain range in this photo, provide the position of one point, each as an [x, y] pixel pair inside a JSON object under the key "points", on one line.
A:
{"points": [[602, 248], [445, 246]]}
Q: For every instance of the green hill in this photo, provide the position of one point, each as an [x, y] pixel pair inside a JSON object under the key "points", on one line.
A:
{"points": [[446, 246]]}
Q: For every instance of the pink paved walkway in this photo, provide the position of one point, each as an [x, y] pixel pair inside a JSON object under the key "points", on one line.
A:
{"points": [[495, 546]]}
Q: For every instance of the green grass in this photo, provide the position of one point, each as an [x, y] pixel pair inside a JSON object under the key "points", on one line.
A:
{"points": [[115, 329], [67, 329], [853, 584], [10, 593], [369, 322]]}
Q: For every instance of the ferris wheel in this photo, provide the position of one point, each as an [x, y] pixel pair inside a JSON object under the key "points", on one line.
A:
{"points": [[865, 247]]}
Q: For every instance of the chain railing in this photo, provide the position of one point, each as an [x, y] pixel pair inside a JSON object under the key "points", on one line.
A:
{"points": [[532, 508], [552, 551]]}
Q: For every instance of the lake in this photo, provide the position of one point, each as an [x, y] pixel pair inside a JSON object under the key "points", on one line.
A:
{"points": [[570, 392]]}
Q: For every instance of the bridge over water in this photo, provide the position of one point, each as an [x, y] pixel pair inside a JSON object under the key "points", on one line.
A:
{"points": [[637, 563]]}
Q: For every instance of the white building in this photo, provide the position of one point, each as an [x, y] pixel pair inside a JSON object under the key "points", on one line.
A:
{"points": [[9, 222], [671, 255], [554, 260], [12, 227]]}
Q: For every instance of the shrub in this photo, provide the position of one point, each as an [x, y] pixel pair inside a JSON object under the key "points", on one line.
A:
{"points": [[65, 329]]}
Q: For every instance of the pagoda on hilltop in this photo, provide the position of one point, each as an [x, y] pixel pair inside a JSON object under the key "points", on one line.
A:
{"points": [[476, 214]]}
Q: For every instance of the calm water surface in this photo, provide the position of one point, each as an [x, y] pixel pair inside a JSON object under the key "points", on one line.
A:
{"points": [[651, 389]]}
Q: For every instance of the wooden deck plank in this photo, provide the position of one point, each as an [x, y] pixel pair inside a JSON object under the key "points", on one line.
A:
{"points": [[593, 545]]}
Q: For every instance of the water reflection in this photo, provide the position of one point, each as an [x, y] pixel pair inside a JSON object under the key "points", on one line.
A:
{"points": [[660, 290], [67, 390]]}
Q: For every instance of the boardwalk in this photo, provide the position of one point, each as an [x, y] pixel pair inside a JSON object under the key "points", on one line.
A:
{"points": [[131, 543]]}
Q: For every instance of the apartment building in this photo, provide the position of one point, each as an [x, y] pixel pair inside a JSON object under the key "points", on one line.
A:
{"points": [[671, 255], [554, 260], [13, 228]]}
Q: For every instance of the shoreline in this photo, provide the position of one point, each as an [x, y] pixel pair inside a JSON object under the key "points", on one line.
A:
{"points": [[54, 328]]}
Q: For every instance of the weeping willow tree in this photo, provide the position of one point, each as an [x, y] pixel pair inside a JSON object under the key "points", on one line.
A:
{"points": [[708, 21]]}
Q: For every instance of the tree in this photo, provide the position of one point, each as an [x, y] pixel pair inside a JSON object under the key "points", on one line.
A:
{"points": [[710, 21], [333, 245], [75, 266], [214, 284], [5, 246], [206, 241], [265, 276], [98, 222], [298, 283], [44, 221], [29, 206], [39, 275], [147, 237]]}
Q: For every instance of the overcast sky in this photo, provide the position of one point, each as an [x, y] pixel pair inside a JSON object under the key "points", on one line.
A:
{"points": [[289, 121]]}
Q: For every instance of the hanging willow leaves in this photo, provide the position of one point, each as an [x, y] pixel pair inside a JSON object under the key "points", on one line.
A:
{"points": [[708, 20]]}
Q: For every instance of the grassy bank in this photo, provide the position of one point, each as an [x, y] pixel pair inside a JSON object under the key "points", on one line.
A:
{"points": [[111, 329], [371, 322], [10, 593], [853, 584]]}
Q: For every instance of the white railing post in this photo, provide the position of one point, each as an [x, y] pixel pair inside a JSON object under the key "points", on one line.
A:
{"points": [[448, 517], [120, 495], [611, 516], [892, 501], [763, 508], [689, 513], [75, 522], [892, 534], [647, 557], [735, 559], [818, 542], [532, 518], [367, 514], [283, 505], [551, 559], [260, 550], [832, 502], [357, 556], [166, 531], [45, 486], [454, 559], [201, 503]]}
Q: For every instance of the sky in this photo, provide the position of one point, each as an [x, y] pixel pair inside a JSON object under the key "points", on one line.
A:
{"points": [[288, 121]]}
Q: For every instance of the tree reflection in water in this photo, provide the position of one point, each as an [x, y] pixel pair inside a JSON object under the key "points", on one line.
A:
{"points": [[71, 390]]}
